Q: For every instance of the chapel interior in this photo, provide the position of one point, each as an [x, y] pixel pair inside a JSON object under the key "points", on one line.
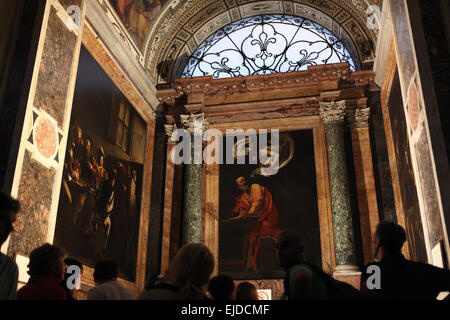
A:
{"points": [[94, 92]]}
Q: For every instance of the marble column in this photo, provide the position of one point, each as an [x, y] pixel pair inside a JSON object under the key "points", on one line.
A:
{"points": [[192, 213], [333, 115], [365, 180]]}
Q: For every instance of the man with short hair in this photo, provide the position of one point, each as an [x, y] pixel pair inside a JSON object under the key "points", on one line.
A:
{"points": [[106, 285], [46, 270], [401, 278], [9, 274]]}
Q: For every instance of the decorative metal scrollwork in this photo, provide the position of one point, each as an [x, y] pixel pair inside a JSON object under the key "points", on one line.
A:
{"points": [[264, 45]]}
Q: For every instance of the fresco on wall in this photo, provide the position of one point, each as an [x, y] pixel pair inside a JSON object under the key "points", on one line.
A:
{"points": [[137, 16], [99, 206], [254, 209]]}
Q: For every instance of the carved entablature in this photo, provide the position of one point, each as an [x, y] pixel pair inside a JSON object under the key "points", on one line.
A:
{"points": [[293, 94], [183, 25], [317, 79]]}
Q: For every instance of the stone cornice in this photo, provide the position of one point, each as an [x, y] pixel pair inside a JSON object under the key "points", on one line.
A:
{"points": [[168, 96], [316, 80]]}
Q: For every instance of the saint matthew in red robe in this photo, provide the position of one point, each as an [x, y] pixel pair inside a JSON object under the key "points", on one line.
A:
{"points": [[256, 200]]}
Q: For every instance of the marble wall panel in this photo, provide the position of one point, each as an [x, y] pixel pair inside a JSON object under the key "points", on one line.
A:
{"points": [[404, 42], [54, 73], [35, 196], [429, 193]]}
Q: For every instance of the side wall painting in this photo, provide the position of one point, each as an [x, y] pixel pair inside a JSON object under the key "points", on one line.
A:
{"points": [[137, 16], [99, 206], [254, 209]]}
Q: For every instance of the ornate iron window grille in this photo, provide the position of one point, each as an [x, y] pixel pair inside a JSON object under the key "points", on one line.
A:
{"points": [[264, 45]]}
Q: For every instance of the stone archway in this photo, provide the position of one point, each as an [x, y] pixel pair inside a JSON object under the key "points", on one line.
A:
{"points": [[182, 26]]}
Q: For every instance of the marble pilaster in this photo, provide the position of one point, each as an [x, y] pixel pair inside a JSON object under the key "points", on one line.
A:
{"points": [[333, 115], [365, 180]]}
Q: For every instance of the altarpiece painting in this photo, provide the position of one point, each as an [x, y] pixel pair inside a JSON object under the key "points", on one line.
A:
{"points": [[254, 209]]}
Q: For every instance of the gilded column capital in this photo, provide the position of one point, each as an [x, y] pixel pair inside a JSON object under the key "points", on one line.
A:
{"points": [[358, 118], [194, 123], [332, 111]]}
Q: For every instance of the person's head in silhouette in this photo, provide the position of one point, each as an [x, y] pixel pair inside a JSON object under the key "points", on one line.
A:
{"points": [[191, 269], [246, 291], [388, 239], [290, 249], [221, 288], [105, 271], [47, 260], [9, 208]]}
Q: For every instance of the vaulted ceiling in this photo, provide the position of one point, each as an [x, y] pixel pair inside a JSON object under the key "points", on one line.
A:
{"points": [[183, 25]]}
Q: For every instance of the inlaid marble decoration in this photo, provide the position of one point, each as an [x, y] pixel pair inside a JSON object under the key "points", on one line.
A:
{"points": [[413, 106], [405, 49], [429, 193], [55, 70], [35, 196], [44, 139]]}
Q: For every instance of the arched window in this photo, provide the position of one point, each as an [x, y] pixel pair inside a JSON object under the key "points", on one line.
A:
{"points": [[264, 45]]}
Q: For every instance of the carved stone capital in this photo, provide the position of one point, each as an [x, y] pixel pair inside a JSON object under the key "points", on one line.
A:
{"points": [[358, 118], [169, 129], [194, 123], [332, 111]]}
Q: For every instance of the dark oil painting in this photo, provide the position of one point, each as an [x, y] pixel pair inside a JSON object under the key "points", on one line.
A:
{"points": [[99, 205], [284, 201]]}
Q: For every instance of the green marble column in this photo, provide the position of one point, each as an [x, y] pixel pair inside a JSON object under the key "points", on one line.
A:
{"points": [[333, 114], [192, 211]]}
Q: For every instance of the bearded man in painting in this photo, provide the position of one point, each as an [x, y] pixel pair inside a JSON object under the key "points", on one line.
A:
{"points": [[255, 200]]}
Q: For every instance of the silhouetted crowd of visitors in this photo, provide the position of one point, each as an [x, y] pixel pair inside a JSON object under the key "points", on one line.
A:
{"points": [[189, 274]]}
